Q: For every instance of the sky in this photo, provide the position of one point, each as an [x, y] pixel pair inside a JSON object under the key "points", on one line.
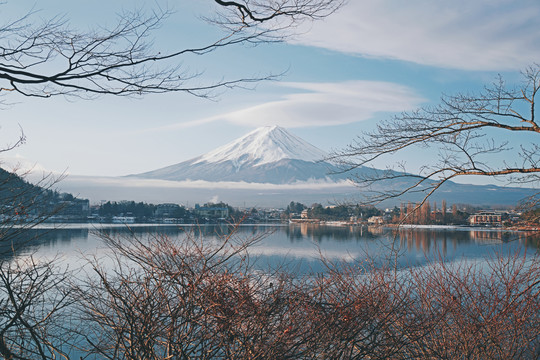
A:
{"points": [[340, 76]]}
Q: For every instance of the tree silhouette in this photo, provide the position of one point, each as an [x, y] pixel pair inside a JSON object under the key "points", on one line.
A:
{"points": [[44, 58], [465, 130]]}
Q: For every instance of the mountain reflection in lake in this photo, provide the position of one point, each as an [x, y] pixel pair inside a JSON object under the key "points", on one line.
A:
{"points": [[297, 246]]}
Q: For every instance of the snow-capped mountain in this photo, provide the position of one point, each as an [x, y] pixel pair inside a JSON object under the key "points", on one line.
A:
{"points": [[264, 145], [266, 155], [272, 155], [271, 167]]}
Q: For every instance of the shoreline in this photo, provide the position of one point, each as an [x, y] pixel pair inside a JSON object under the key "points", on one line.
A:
{"points": [[96, 226], [462, 227]]}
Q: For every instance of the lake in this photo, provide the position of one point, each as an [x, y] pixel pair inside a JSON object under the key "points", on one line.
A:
{"points": [[296, 246]]}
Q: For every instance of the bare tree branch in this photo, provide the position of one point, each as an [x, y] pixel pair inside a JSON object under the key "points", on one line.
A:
{"points": [[464, 131], [49, 58]]}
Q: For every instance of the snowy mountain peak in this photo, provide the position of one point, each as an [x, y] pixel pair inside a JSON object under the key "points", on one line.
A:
{"points": [[262, 146]]}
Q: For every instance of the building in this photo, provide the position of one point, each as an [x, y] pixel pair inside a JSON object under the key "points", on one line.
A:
{"points": [[375, 220], [75, 208], [166, 210], [123, 220], [212, 212], [488, 218]]}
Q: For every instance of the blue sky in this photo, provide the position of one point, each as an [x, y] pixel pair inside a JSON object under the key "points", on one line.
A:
{"points": [[370, 60]]}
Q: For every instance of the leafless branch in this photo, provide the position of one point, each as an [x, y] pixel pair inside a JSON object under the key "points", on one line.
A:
{"points": [[49, 58], [461, 130]]}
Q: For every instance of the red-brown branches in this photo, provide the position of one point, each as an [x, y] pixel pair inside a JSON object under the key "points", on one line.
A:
{"points": [[465, 131]]}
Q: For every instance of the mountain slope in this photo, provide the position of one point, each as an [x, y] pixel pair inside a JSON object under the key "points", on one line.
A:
{"points": [[263, 146], [271, 155], [266, 155]]}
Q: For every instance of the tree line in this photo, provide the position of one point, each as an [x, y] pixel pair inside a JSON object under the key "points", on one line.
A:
{"points": [[142, 211], [330, 213], [425, 214]]}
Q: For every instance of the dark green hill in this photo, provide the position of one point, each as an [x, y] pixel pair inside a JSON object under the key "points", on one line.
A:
{"points": [[21, 200]]}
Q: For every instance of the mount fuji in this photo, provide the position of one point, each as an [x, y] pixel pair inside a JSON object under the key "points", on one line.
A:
{"points": [[266, 155], [268, 167]]}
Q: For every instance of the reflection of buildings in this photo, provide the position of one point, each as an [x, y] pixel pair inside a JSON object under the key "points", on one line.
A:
{"points": [[426, 241], [487, 236], [304, 230], [488, 218], [376, 230], [318, 232]]}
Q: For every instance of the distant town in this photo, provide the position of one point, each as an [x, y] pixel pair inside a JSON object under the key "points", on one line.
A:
{"points": [[22, 202], [71, 209]]}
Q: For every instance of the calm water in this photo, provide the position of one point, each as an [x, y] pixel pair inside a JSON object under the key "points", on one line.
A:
{"points": [[298, 247]]}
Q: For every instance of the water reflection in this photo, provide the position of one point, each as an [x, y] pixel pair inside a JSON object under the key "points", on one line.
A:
{"points": [[298, 244], [16, 241], [320, 233], [444, 240]]}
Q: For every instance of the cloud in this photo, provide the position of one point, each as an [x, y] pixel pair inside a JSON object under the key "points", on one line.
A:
{"points": [[462, 34], [126, 182], [322, 104]]}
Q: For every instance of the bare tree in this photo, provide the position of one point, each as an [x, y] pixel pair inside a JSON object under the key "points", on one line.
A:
{"points": [[465, 131], [47, 58], [479, 310], [33, 291], [163, 298], [191, 298], [33, 297]]}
